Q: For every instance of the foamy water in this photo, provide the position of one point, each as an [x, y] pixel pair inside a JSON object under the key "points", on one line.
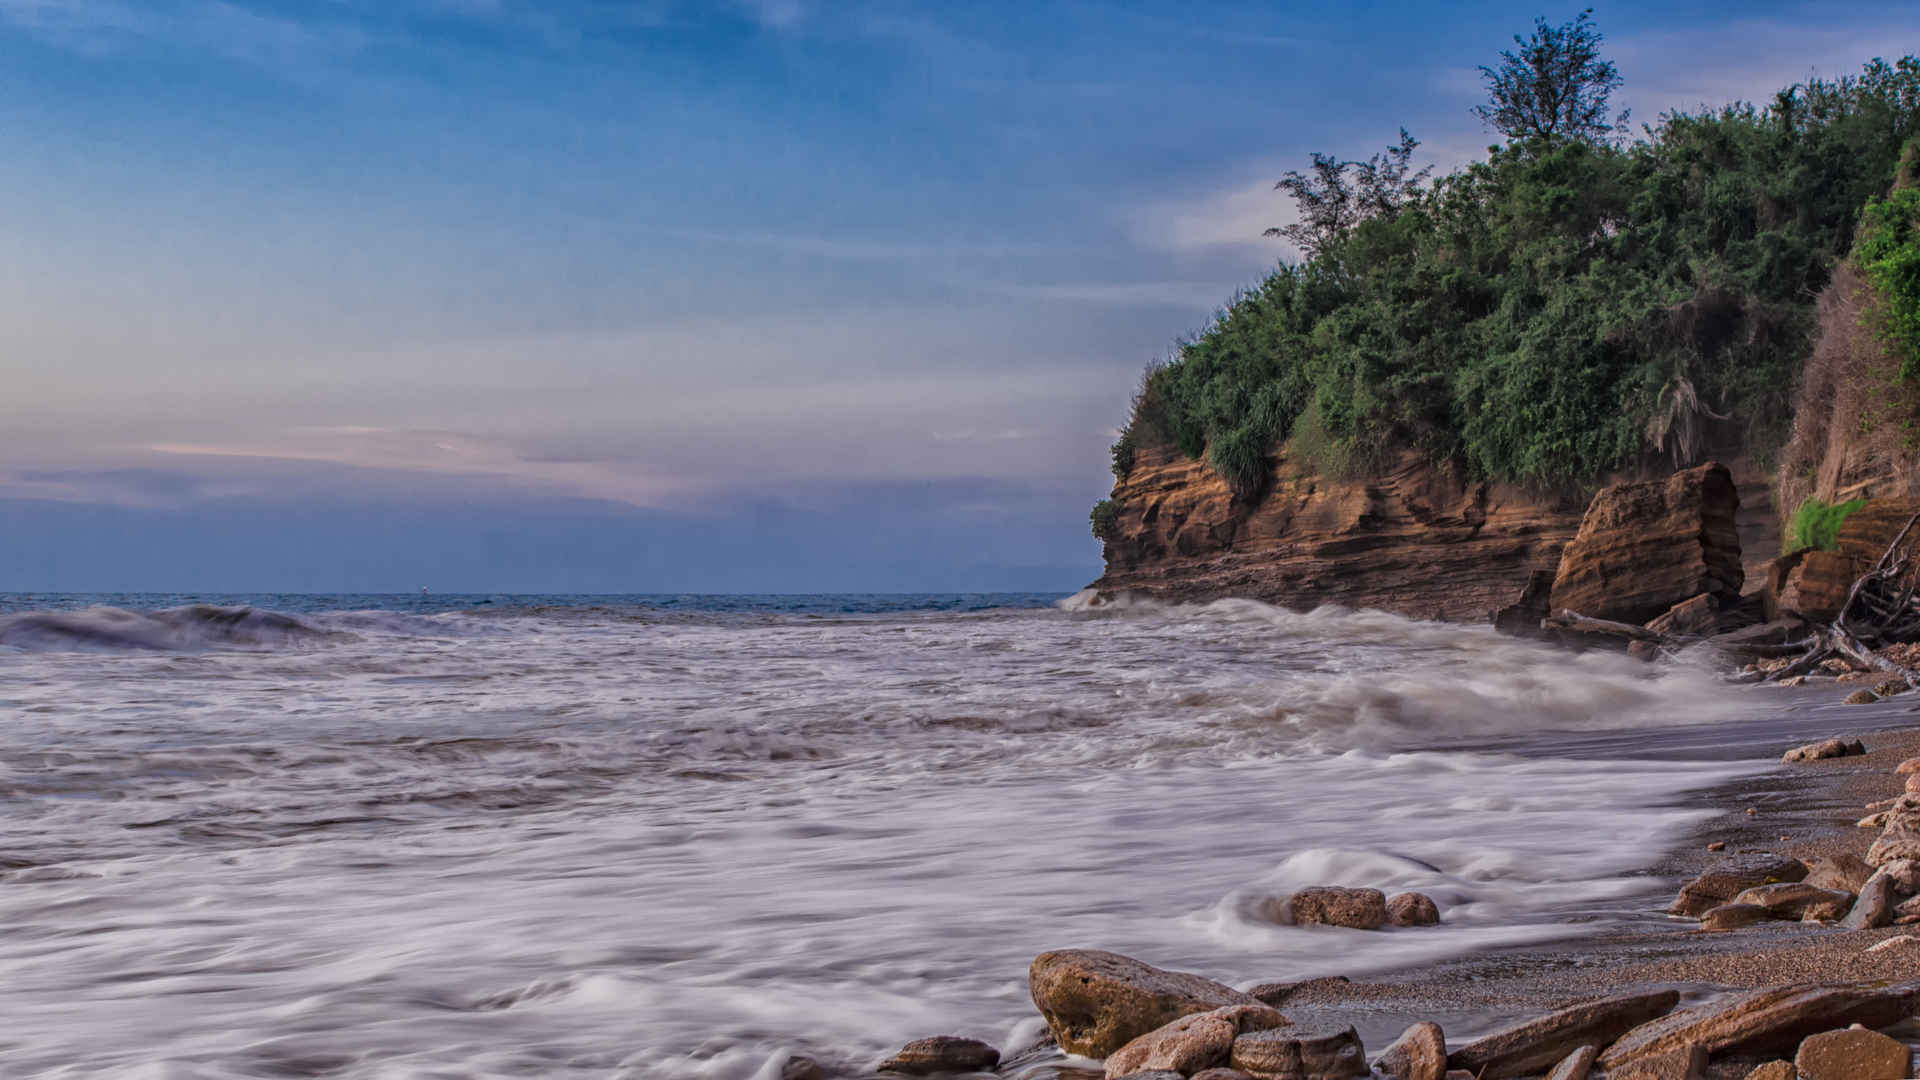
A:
{"points": [[621, 842]]}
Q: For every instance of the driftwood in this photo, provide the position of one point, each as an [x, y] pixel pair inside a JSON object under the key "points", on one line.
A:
{"points": [[1586, 624], [1880, 610]]}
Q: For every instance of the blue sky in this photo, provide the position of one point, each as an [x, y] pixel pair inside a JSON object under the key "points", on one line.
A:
{"points": [[766, 295]]}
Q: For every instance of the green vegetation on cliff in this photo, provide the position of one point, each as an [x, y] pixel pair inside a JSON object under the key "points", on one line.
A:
{"points": [[1571, 304], [1817, 524]]}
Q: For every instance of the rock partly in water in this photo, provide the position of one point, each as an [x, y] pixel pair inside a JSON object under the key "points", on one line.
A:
{"points": [[1420, 1053], [1798, 900], [1826, 748], [1723, 881], [1644, 547], [1536, 1045], [1776, 1018], [1853, 1054], [1858, 697], [1575, 1066], [1096, 1002], [1734, 916], [801, 1067], [1358, 909], [942, 1054], [1412, 909], [1193, 1042], [1689, 618], [1300, 1054]]}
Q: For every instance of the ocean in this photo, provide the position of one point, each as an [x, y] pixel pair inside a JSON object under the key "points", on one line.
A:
{"points": [[649, 836]]}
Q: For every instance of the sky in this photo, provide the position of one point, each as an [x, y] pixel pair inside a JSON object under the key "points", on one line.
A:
{"points": [[676, 295]]}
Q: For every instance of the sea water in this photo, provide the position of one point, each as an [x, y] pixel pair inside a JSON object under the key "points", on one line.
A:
{"points": [[622, 837]]}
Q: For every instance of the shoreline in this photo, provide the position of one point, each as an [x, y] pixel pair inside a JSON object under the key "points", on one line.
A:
{"points": [[1803, 810]]}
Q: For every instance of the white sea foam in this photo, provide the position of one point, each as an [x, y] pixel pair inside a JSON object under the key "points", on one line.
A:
{"points": [[609, 844]]}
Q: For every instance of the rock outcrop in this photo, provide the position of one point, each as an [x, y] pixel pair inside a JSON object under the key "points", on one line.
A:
{"points": [[1645, 547], [1772, 1019], [1096, 1002], [1537, 1045], [1815, 584], [1417, 540]]}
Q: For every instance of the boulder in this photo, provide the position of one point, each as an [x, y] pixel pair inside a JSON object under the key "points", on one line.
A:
{"points": [[942, 1054], [1575, 1066], [1773, 1070], [801, 1067], [1680, 1063], [1853, 1054], [1536, 1045], [1688, 618], [1900, 840], [1818, 587], [1734, 916], [1891, 687], [1723, 881], [1193, 1042], [1908, 767], [1300, 1054], [1776, 1018], [1858, 697], [1359, 909], [1798, 900], [1420, 1053], [1522, 617], [1412, 909], [1844, 872], [1644, 547], [1096, 1002], [1874, 909], [1826, 748]]}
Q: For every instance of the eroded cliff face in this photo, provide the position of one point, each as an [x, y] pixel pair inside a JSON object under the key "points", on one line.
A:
{"points": [[1417, 540]]}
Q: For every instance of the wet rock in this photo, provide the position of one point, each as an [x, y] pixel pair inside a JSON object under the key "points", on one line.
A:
{"points": [[1734, 916], [1798, 900], [1096, 1002], [1680, 1063], [1522, 618], [1858, 697], [1875, 907], [800, 1067], [1537, 1044], [1412, 909], [1775, 1018], [1828, 748], [1853, 1055], [1889, 687], [1358, 909], [942, 1054], [1300, 1054], [1276, 993], [1717, 845], [1688, 618], [1844, 872], [1420, 1053], [1220, 1074], [1575, 1066], [1191, 1043], [1773, 1070], [1644, 547], [1723, 881]]}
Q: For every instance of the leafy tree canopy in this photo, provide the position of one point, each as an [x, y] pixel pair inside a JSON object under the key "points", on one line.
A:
{"points": [[1555, 87]]}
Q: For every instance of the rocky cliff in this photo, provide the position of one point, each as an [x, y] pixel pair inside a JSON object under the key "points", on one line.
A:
{"points": [[1416, 540]]}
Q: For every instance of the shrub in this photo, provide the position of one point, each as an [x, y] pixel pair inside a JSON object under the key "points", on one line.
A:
{"points": [[1106, 519], [1817, 524], [1889, 252]]}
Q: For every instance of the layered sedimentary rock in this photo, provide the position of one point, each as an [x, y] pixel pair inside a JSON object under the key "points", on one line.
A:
{"points": [[1417, 540], [1816, 583], [1645, 547]]}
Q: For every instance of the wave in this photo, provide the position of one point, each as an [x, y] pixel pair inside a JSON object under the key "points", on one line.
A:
{"points": [[193, 628]]}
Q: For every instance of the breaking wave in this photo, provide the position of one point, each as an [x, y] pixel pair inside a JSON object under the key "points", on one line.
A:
{"points": [[182, 629]]}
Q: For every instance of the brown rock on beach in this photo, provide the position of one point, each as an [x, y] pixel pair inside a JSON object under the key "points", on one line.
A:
{"points": [[1412, 909], [1420, 1053], [1828, 748], [1301, 1054], [1734, 916], [1798, 900], [1096, 1002], [1853, 1054], [1358, 909], [1843, 871], [1575, 1066], [1683, 1063], [1538, 1044], [1193, 1042], [1723, 881], [1770, 1019]]}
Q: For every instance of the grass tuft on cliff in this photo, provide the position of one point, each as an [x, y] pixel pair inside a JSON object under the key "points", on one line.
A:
{"points": [[1560, 309], [1817, 525]]}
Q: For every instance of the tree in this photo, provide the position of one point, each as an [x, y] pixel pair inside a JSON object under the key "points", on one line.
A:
{"points": [[1555, 87], [1329, 203]]}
